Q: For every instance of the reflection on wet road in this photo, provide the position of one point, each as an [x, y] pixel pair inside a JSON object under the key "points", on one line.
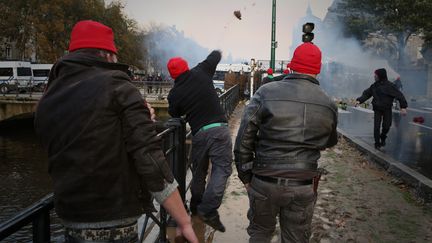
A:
{"points": [[408, 142]]}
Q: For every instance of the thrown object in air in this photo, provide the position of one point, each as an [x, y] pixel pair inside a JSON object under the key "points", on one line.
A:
{"points": [[237, 14]]}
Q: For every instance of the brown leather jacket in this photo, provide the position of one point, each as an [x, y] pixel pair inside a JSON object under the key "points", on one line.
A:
{"points": [[104, 155]]}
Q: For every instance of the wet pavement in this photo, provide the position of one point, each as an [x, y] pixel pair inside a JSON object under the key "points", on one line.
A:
{"points": [[408, 142]]}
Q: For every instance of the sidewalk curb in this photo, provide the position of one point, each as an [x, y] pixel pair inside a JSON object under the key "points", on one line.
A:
{"points": [[421, 184]]}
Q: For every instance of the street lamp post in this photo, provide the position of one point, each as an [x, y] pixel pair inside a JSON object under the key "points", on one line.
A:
{"points": [[273, 36]]}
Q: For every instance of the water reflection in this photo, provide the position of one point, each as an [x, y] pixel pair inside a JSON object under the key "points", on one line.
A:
{"points": [[23, 172], [407, 142]]}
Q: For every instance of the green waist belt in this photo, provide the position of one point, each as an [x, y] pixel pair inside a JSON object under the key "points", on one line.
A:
{"points": [[211, 125]]}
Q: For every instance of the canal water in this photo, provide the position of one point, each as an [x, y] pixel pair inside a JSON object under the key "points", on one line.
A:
{"points": [[24, 177], [23, 173]]}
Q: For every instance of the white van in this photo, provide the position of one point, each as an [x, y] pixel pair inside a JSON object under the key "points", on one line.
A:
{"points": [[15, 75], [40, 75]]}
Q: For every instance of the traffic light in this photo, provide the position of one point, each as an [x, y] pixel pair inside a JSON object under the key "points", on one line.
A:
{"points": [[308, 36]]}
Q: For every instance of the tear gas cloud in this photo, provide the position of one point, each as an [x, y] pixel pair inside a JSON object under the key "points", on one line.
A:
{"points": [[163, 42], [348, 68]]}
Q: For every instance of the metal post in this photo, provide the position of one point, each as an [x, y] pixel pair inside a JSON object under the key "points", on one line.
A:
{"points": [[273, 36], [252, 83], [162, 232], [41, 227], [179, 157]]}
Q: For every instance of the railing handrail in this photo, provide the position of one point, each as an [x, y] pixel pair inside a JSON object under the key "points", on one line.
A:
{"points": [[26, 216], [230, 99], [229, 90], [174, 149], [166, 82], [42, 208]]}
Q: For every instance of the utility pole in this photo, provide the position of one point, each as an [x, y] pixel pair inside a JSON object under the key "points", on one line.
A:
{"points": [[273, 37]]}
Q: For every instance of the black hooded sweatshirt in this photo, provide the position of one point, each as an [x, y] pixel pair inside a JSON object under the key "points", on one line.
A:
{"points": [[383, 93]]}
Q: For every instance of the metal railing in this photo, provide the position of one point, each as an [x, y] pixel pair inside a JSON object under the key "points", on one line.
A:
{"points": [[174, 138], [38, 214], [230, 99], [152, 89], [175, 150], [159, 89]]}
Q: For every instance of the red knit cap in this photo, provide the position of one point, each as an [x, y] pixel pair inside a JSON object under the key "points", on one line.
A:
{"points": [[91, 34], [177, 66], [306, 59], [270, 71]]}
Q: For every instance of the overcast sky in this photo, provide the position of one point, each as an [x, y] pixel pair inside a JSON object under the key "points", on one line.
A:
{"points": [[213, 25]]}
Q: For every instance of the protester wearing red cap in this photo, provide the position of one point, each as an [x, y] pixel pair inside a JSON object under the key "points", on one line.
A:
{"points": [[306, 59], [104, 156], [194, 95], [91, 34], [177, 66], [278, 144], [270, 71], [269, 78], [384, 93]]}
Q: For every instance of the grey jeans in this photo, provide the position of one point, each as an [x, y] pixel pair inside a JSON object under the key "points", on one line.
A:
{"points": [[215, 145], [293, 204]]}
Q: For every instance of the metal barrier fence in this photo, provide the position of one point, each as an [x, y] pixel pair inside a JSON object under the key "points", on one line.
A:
{"points": [[152, 89], [230, 99], [174, 147], [159, 89], [38, 214]]}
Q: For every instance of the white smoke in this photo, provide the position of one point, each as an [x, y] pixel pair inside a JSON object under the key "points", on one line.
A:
{"points": [[163, 42], [347, 67]]}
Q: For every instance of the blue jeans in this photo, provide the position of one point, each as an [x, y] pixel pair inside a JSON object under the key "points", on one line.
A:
{"points": [[215, 145]]}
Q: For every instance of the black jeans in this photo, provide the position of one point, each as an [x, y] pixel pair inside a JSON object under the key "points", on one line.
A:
{"points": [[215, 145], [293, 204], [384, 116]]}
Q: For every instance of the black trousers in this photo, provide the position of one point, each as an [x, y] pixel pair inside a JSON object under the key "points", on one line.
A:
{"points": [[215, 145], [293, 204], [384, 117]]}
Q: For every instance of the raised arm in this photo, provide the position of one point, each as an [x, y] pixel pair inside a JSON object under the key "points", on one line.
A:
{"points": [[210, 63]]}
